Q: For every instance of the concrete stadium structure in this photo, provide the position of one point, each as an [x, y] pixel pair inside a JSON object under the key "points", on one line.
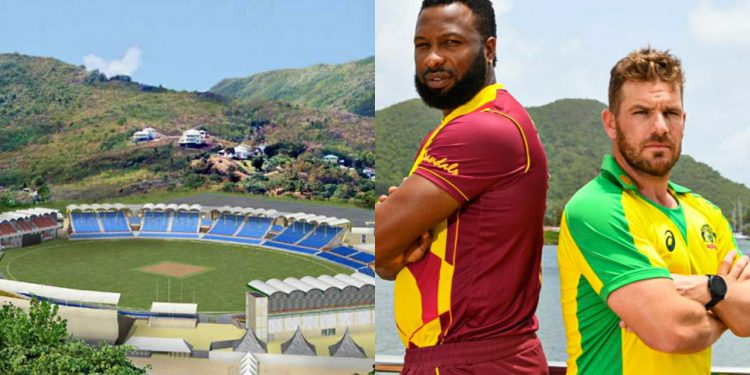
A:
{"points": [[326, 304], [28, 227], [308, 234]]}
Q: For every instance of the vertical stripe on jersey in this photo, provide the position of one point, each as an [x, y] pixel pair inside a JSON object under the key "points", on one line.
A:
{"points": [[597, 322], [407, 311], [585, 314]]}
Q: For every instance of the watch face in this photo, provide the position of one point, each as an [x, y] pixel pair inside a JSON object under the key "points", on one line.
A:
{"points": [[718, 285]]}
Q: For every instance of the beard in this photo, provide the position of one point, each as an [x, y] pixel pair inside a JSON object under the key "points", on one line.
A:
{"points": [[659, 165], [462, 91]]}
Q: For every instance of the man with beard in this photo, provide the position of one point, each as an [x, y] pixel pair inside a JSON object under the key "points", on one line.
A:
{"points": [[631, 239], [462, 235]]}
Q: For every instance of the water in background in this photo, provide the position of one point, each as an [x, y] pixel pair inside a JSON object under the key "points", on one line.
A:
{"points": [[728, 351]]}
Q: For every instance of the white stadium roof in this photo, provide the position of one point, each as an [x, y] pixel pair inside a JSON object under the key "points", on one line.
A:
{"points": [[174, 308], [26, 214], [235, 210], [317, 219], [307, 283], [367, 279], [263, 287], [350, 280], [60, 294], [96, 207]]}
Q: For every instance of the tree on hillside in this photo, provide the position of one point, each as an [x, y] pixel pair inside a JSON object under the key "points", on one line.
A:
{"points": [[38, 343]]}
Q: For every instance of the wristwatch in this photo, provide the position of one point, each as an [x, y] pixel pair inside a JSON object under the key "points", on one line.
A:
{"points": [[718, 289]]}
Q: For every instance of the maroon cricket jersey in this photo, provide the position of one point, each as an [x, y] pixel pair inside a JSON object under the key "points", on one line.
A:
{"points": [[481, 278]]}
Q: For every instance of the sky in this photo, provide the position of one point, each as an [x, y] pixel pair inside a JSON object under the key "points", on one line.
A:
{"points": [[550, 50], [188, 44]]}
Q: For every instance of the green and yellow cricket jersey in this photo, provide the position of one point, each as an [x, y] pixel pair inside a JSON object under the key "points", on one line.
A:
{"points": [[612, 236]]}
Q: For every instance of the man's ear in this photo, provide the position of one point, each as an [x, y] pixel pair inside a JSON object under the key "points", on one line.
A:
{"points": [[490, 48], [609, 123]]}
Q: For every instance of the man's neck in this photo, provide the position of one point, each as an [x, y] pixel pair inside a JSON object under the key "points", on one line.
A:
{"points": [[489, 81], [654, 188]]}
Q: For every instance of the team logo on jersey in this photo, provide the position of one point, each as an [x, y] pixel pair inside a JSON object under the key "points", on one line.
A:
{"points": [[669, 241], [443, 164], [709, 236]]}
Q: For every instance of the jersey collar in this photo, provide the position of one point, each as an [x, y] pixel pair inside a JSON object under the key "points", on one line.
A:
{"points": [[488, 93], [616, 173]]}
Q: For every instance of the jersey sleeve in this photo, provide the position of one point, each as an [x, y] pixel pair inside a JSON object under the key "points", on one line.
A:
{"points": [[595, 234], [725, 241], [473, 153]]}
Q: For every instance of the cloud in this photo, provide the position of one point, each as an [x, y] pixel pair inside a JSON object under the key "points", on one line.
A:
{"points": [[129, 63], [728, 25]]}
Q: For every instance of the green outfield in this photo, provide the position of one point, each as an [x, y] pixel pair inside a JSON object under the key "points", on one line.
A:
{"points": [[213, 275]]}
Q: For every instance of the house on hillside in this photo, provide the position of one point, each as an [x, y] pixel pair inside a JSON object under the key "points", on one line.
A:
{"points": [[191, 138], [369, 172], [242, 152], [331, 158], [145, 135]]}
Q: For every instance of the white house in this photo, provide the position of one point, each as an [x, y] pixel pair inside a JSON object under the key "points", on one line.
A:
{"points": [[242, 152], [331, 158], [191, 138], [147, 134]]}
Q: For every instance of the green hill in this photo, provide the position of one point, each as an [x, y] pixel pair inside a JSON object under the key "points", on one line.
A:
{"points": [[573, 139], [346, 87], [72, 129]]}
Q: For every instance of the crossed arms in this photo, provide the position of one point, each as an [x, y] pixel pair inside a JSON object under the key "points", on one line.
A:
{"points": [[404, 219], [670, 315]]}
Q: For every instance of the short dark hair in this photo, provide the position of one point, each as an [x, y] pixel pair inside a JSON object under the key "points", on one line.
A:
{"points": [[483, 12]]}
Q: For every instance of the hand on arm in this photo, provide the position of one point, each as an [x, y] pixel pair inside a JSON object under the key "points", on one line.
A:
{"points": [[733, 310], [663, 319], [403, 221]]}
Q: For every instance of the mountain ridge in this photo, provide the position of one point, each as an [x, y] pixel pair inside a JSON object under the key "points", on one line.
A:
{"points": [[63, 124], [345, 87], [570, 130]]}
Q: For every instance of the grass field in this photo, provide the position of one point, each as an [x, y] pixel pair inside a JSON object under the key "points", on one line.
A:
{"points": [[116, 266]]}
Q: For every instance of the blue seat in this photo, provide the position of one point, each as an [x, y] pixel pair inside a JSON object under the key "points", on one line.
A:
{"points": [[322, 235], [100, 235], [294, 232], [363, 257], [185, 222], [343, 251], [343, 261], [114, 222], [85, 222], [226, 225], [366, 270], [155, 222], [255, 227], [291, 247], [168, 235]]}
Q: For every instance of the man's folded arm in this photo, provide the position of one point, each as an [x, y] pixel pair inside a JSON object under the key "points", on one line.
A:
{"points": [[663, 319], [416, 207], [733, 309]]}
